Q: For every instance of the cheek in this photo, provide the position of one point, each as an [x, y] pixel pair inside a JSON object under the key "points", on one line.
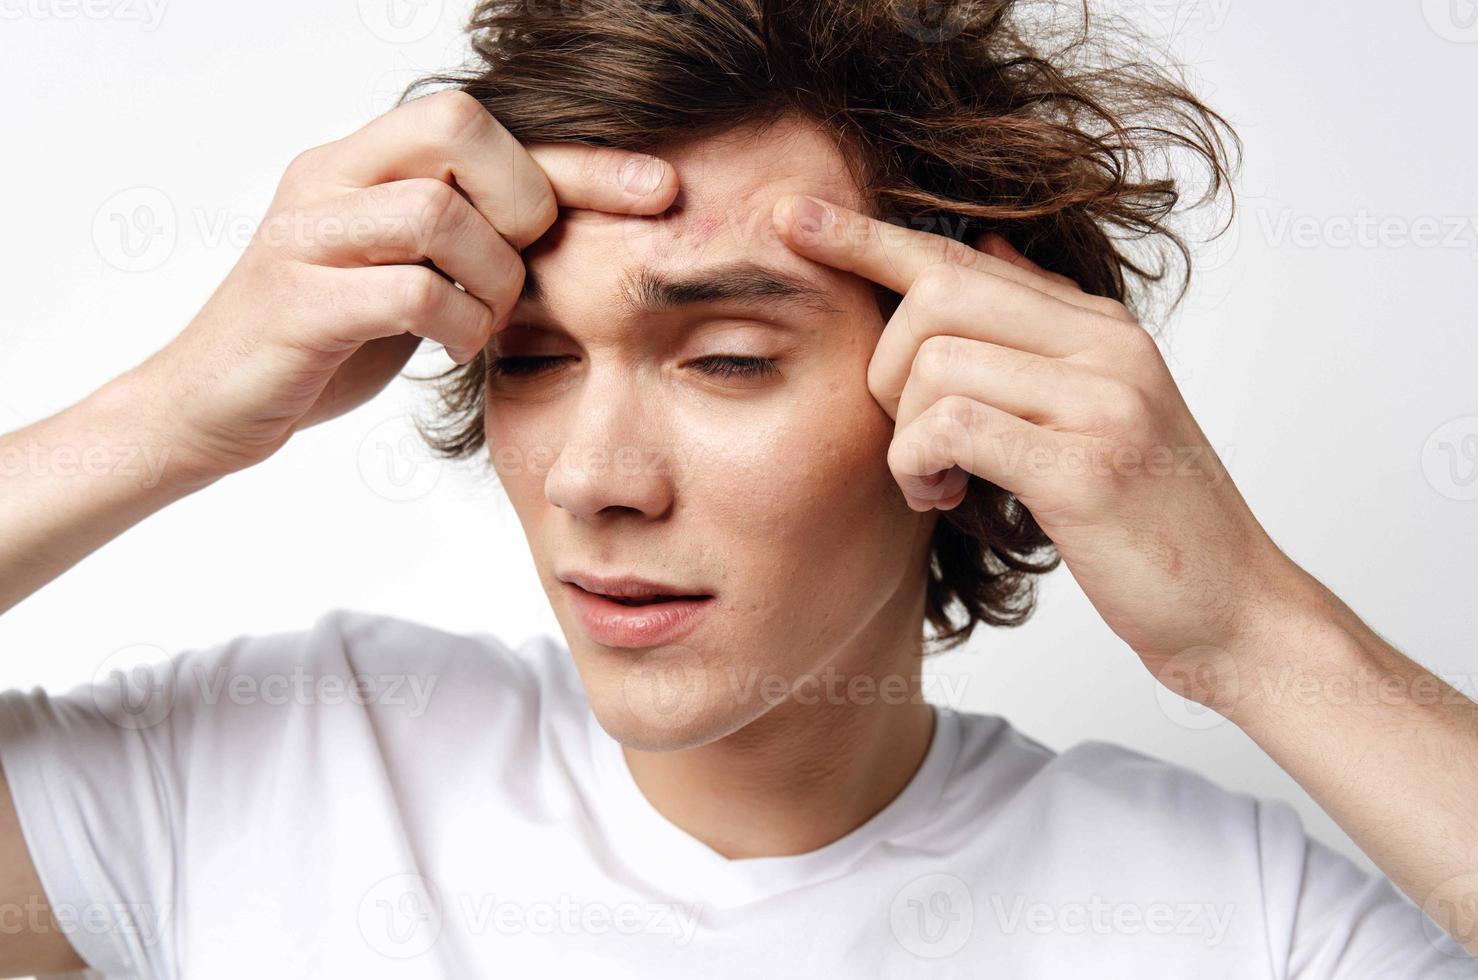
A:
{"points": [[801, 511], [521, 454], [810, 470], [806, 474]]}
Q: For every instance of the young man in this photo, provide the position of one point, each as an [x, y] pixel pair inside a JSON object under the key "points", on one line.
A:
{"points": [[704, 376]]}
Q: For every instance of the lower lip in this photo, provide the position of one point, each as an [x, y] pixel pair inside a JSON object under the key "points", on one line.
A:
{"points": [[615, 625]]}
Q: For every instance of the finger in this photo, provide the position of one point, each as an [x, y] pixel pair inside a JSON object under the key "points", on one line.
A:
{"points": [[407, 221], [951, 300], [386, 300], [994, 243], [450, 136], [894, 256], [364, 375], [598, 178], [1042, 390], [975, 437], [944, 490]]}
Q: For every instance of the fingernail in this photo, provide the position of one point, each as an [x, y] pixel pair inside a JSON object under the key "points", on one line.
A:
{"points": [[811, 216], [642, 175]]}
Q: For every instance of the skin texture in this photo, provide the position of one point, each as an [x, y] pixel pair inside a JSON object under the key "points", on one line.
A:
{"points": [[774, 495], [990, 366], [321, 311], [804, 501], [996, 367]]}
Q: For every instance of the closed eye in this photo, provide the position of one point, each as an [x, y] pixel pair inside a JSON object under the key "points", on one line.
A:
{"points": [[715, 365], [734, 366], [518, 367]]}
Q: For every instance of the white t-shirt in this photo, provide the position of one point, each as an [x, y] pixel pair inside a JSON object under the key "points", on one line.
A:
{"points": [[375, 797]]}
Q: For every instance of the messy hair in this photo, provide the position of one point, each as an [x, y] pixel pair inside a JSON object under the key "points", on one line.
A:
{"points": [[957, 116]]}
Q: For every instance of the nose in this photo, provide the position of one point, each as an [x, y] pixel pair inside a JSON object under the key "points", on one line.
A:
{"points": [[614, 458]]}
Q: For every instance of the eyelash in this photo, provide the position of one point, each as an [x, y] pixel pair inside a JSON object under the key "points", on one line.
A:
{"points": [[720, 366]]}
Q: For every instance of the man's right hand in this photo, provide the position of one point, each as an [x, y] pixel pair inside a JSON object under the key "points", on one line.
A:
{"points": [[326, 305], [335, 291]]}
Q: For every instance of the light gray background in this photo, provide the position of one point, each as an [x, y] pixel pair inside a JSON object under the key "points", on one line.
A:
{"points": [[1328, 349]]}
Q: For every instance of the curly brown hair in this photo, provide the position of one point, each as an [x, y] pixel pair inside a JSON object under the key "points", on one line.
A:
{"points": [[959, 116]]}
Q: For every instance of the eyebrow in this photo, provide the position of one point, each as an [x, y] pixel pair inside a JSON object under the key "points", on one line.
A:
{"points": [[645, 290]]}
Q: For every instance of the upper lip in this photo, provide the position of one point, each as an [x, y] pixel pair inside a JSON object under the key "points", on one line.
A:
{"points": [[627, 586]]}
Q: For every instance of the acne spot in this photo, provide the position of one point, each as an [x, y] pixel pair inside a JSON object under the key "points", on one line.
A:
{"points": [[705, 226]]}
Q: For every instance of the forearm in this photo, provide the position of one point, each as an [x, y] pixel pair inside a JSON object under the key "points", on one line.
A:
{"points": [[1385, 747], [75, 480]]}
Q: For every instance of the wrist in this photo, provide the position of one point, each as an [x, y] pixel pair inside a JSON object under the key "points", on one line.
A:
{"points": [[130, 417], [1226, 668], [1304, 653]]}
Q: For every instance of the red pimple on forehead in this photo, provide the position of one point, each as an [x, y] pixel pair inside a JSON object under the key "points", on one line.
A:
{"points": [[704, 226]]}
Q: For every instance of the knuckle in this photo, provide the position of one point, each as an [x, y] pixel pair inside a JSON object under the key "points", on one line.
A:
{"points": [[936, 356], [304, 165], [956, 252], [513, 280], [937, 283], [1138, 343], [903, 453], [417, 296], [455, 115], [910, 318], [859, 233], [1111, 308], [502, 297], [957, 412], [544, 211], [429, 203], [487, 322], [276, 230], [531, 218], [1127, 408]]}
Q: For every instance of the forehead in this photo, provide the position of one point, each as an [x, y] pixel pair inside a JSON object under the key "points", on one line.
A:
{"points": [[729, 184], [743, 172]]}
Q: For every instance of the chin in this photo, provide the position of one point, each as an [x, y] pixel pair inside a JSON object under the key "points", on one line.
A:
{"points": [[662, 708]]}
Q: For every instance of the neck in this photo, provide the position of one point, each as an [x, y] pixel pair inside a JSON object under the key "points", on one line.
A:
{"points": [[813, 768]]}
